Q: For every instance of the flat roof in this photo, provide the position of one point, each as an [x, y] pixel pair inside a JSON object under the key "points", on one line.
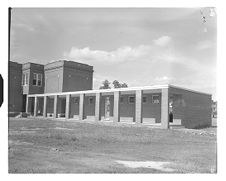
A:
{"points": [[153, 87], [68, 64]]}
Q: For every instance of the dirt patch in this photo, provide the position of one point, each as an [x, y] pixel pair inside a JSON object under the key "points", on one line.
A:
{"points": [[60, 128], [21, 132], [12, 142], [203, 132], [31, 129], [147, 164]]}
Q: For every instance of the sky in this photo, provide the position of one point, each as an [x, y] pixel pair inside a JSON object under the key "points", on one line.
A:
{"points": [[138, 46]]}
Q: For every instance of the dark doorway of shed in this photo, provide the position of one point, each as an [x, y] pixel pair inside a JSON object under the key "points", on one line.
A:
{"points": [[32, 99], [24, 101], [61, 107], [176, 109], [170, 117]]}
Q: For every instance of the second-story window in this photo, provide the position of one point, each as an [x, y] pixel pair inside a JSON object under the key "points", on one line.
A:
{"points": [[37, 79], [25, 78]]}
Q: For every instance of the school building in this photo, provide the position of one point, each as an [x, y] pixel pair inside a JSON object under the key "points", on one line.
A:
{"points": [[63, 89]]}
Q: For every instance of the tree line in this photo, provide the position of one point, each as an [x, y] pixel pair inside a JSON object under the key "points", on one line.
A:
{"points": [[116, 84]]}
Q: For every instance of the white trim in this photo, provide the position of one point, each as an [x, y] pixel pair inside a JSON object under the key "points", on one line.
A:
{"points": [[26, 78], [154, 87], [190, 90], [104, 90]]}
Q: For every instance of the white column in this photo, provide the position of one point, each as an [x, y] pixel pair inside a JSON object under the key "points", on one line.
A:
{"points": [[165, 108], [139, 106], [97, 107], [55, 106], [44, 106], [67, 108], [27, 104], [116, 106], [35, 106], [81, 107]]}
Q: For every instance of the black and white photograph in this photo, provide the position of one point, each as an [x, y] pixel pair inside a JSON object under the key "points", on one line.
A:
{"points": [[112, 90]]}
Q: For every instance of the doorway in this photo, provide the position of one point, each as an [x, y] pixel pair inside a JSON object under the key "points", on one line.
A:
{"points": [[24, 101], [171, 117]]}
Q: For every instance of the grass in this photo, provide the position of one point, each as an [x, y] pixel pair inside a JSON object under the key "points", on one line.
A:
{"points": [[36, 146]]}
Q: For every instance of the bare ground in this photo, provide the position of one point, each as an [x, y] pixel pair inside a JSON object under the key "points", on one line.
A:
{"points": [[52, 146]]}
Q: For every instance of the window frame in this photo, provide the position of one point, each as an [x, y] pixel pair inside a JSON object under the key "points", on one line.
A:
{"points": [[39, 80], [36, 78], [76, 100], [155, 95], [25, 78], [90, 98], [130, 101], [145, 99]]}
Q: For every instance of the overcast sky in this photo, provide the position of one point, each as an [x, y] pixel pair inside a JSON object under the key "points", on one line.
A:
{"points": [[138, 46]]}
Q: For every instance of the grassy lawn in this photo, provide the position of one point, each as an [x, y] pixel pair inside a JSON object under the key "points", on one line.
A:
{"points": [[49, 146]]}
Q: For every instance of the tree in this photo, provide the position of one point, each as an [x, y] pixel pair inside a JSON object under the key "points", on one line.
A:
{"points": [[124, 85], [116, 84], [106, 85]]}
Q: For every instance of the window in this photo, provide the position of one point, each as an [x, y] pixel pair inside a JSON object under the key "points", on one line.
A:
{"points": [[155, 99], [76, 100], [144, 99], [131, 99], [25, 79], [37, 79], [90, 100]]}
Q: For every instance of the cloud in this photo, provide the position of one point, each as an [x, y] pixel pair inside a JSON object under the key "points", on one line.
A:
{"points": [[125, 53], [163, 41], [121, 54], [204, 45], [23, 26], [163, 79]]}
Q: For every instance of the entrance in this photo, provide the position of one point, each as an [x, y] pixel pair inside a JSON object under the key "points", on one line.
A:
{"points": [[107, 108], [170, 117], [171, 110], [24, 103]]}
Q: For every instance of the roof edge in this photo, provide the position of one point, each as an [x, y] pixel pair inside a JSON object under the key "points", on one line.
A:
{"points": [[190, 90]]}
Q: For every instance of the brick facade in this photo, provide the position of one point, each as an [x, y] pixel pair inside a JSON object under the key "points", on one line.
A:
{"points": [[15, 88]]}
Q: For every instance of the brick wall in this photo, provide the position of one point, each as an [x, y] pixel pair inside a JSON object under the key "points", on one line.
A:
{"points": [[77, 80], [89, 109], [195, 109], [54, 80], [15, 88], [74, 106], [32, 68], [151, 110]]}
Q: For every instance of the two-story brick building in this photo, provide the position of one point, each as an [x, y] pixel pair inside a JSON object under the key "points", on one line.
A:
{"points": [[59, 76], [63, 89]]}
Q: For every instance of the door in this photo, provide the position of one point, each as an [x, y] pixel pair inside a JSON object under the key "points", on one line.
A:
{"points": [[24, 101]]}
